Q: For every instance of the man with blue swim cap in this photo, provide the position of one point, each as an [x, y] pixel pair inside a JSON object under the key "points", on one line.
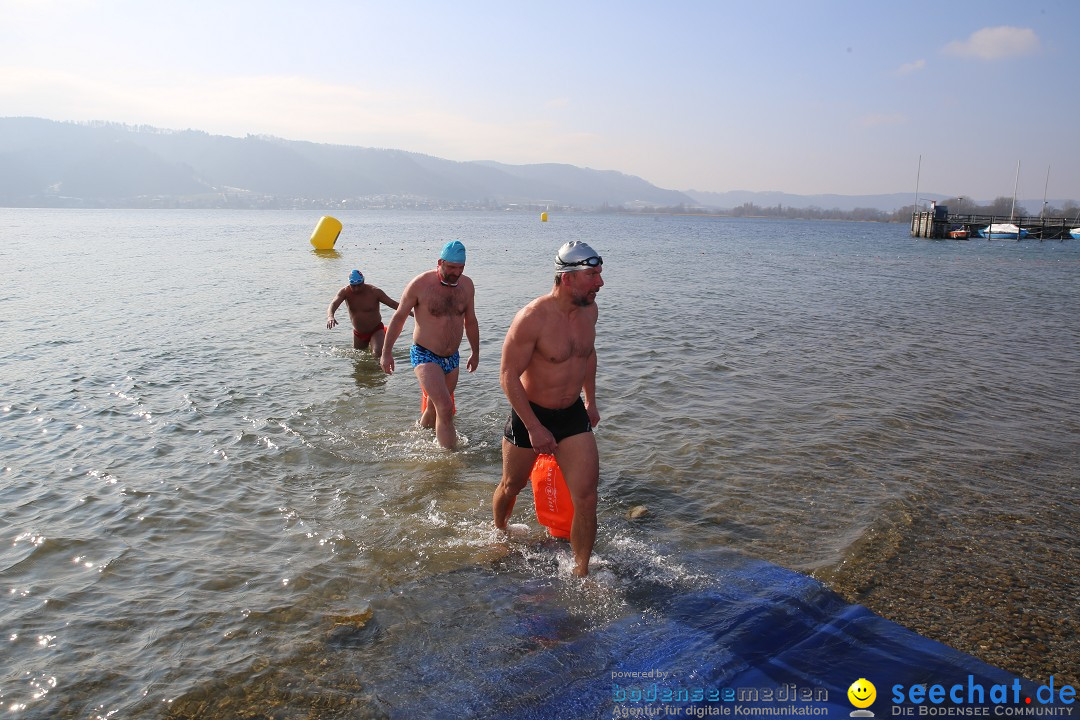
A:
{"points": [[548, 363], [453, 252], [363, 303], [442, 304]]}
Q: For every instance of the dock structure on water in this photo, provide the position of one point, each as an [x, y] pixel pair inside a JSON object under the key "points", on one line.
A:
{"points": [[938, 223]]}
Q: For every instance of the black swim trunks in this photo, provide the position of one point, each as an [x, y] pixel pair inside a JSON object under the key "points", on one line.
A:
{"points": [[572, 420]]}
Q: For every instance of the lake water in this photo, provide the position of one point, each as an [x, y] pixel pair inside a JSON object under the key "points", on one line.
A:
{"points": [[201, 485]]}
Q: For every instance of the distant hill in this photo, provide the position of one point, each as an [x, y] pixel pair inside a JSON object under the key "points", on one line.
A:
{"points": [[106, 164], [50, 163]]}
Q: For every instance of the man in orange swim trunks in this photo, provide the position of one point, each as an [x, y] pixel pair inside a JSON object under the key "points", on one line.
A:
{"points": [[363, 301]]}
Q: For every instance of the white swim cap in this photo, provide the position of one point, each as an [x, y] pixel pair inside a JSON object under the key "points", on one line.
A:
{"points": [[576, 255]]}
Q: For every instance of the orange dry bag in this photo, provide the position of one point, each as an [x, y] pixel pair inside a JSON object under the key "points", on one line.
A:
{"points": [[424, 402], [554, 509]]}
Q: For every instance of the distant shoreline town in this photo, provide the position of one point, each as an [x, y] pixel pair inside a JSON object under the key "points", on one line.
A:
{"points": [[250, 201]]}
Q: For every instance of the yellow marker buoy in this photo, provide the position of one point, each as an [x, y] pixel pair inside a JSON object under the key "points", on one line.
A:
{"points": [[326, 233], [543, 217]]}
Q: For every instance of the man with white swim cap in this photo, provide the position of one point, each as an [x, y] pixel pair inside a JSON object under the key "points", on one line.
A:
{"points": [[548, 362], [363, 300], [442, 302]]}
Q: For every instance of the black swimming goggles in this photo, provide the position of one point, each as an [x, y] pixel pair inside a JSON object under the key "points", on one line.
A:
{"points": [[587, 262]]}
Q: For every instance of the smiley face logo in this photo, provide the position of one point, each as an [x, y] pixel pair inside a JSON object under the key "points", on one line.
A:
{"points": [[862, 693]]}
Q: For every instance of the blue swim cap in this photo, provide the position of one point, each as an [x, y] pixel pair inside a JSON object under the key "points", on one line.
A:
{"points": [[356, 278], [454, 252]]}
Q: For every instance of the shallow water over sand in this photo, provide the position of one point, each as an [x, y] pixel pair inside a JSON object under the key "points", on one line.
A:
{"points": [[202, 488]]}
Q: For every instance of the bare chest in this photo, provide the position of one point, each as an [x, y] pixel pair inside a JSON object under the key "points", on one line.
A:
{"points": [[566, 341], [362, 302], [446, 302]]}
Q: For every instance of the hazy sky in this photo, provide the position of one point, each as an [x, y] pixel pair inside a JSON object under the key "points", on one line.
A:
{"points": [[803, 96]]}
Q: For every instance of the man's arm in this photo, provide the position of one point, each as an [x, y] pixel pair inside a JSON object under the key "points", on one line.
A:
{"points": [[517, 353], [386, 299], [589, 386], [397, 324], [472, 332], [331, 321]]}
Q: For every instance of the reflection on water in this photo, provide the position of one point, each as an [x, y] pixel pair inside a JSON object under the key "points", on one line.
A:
{"points": [[205, 498], [366, 371]]}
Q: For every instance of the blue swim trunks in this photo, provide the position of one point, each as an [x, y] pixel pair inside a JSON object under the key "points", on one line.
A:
{"points": [[420, 355]]}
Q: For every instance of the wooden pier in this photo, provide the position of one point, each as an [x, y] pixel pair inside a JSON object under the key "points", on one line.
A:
{"points": [[938, 223]]}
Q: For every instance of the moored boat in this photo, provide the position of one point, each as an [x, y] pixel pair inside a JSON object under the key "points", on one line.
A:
{"points": [[1003, 231], [960, 234], [1075, 232]]}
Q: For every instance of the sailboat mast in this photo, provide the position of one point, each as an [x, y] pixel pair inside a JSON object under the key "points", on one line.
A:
{"points": [[1045, 187], [1016, 184], [918, 173]]}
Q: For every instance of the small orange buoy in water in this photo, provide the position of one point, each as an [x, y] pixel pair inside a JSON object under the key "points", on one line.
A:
{"points": [[554, 508], [543, 217]]}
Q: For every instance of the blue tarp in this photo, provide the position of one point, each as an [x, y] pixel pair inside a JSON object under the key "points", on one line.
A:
{"points": [[734, 636]]}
